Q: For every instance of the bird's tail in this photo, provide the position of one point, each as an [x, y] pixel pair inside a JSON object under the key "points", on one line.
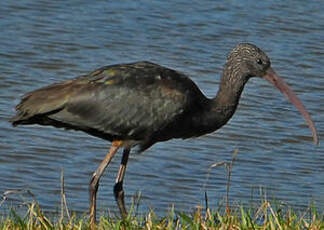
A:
{"points": [[46, 100]]}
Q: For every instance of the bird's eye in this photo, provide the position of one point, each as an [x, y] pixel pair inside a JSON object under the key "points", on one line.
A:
{"points": [[259, 61]]}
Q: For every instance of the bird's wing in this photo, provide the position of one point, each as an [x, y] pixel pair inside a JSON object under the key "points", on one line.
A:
{"points": [[129, 101]]}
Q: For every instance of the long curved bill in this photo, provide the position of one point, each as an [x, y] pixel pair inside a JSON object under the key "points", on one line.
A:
{"points": [[279, 83]]}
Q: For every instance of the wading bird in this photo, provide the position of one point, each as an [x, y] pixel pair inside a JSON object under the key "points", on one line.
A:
{"points": [[142, 103]]}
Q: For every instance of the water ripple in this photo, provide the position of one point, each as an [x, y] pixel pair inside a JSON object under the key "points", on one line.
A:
{"points": [[47, 41]]}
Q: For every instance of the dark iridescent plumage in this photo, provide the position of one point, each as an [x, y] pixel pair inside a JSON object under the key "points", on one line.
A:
{"points": [[143, 103], [138, 102]]}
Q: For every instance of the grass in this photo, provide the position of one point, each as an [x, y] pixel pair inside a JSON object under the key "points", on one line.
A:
{"points": [[264, 217]]}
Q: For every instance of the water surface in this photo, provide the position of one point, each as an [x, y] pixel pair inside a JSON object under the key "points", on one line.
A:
{"points": [[48, 41]]}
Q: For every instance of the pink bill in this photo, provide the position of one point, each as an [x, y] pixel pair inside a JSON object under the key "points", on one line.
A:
{"points": [[278, 82]]}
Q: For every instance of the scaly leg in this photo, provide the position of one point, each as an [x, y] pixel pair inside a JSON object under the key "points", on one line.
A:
{"points": [[118, 188], [94, 182]]}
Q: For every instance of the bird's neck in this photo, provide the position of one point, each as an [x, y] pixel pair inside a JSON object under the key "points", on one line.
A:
{"points": [[224, 104], [231, 86], [216, 112]]}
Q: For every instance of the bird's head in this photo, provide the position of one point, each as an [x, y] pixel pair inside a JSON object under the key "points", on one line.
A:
{"points": [[247, 60], [250, 60]]}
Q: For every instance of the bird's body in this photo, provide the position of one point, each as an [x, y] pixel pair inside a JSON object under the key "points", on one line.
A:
{"points": [[143, 103], [138, 103]]}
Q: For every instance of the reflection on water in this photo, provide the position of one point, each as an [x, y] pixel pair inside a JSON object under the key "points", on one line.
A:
{"points": [[47, 41]]}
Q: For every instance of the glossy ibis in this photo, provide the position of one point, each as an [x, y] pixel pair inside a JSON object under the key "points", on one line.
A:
{"points": [[139, 104]]}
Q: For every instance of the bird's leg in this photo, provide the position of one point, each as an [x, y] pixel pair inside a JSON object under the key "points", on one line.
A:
{"points": [[94, 182], [118, 188]]}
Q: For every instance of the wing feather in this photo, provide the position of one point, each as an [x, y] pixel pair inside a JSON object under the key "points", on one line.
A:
{"points": [[120, 111], [127, 101]]}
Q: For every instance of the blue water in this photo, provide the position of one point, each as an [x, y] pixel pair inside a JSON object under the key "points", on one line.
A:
{"points": [[42, 42]]}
